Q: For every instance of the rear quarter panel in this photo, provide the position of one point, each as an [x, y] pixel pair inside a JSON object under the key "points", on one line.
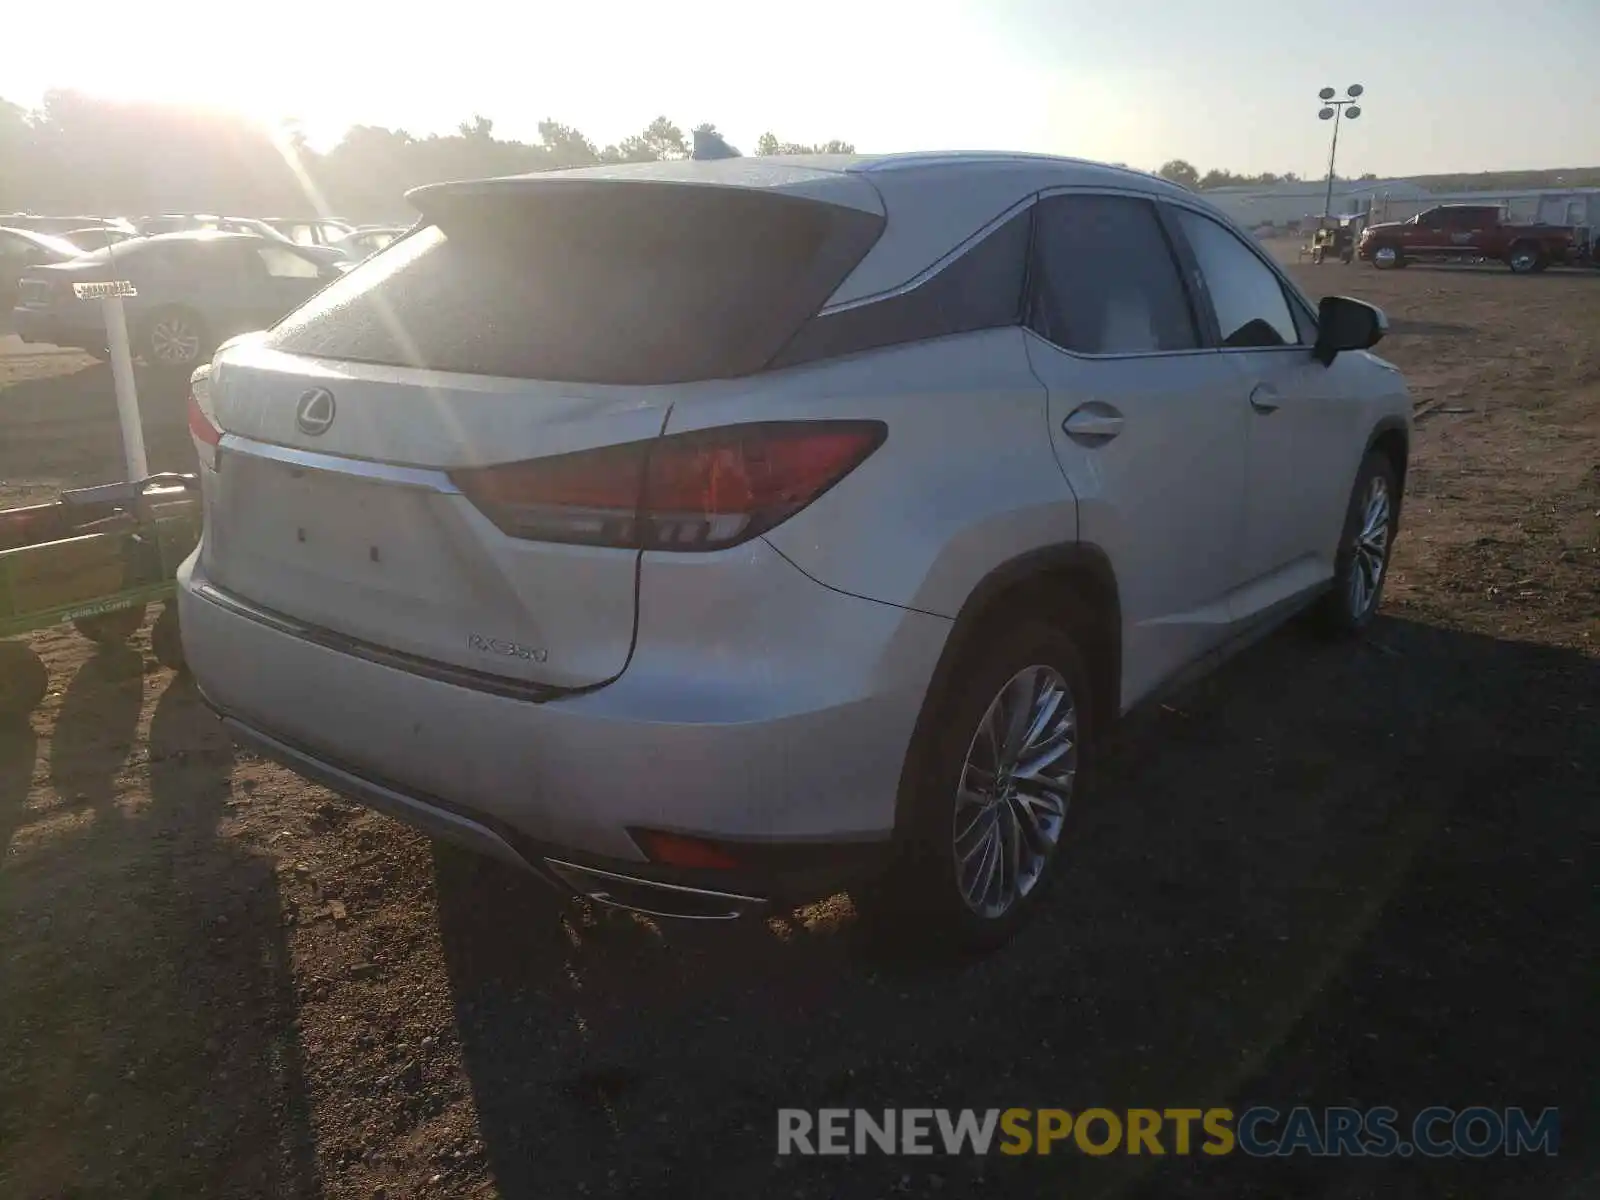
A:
{"points": [[965, 481]]}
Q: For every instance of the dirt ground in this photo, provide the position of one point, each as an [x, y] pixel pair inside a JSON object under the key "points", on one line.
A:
{"points": [[1326, 875]]}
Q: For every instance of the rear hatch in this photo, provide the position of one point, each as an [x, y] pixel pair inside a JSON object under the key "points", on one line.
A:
{"points": [[441, 455]]}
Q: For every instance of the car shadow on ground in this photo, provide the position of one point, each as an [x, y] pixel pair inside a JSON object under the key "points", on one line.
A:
{"points": [[156, 1041], [64, 426], [1555, 274], [1327, 875]]}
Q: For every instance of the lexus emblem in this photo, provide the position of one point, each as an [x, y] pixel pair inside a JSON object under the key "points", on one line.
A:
{"points": [[315, 411]]}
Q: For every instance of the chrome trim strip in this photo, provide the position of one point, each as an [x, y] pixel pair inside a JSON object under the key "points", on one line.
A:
{"points": [[934, 268], [740, 903], [398, 660], [425, 478], [1189, 353]]}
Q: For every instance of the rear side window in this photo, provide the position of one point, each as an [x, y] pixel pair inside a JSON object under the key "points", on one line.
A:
{"points": [[596, 282], [982, 289], [1251, 309], [283, 263], [1105, 280]]}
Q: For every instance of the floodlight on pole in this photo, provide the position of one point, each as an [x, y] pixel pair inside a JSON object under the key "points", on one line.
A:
{"points": [[1335, 110]]}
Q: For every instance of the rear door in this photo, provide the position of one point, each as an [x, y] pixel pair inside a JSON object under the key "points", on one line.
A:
{"points": [[1147, 422], [1472, 230], [1299, 419], [440, 456]]}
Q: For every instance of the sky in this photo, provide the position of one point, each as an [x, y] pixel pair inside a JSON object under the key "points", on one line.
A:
{"points": [[1451, 85]]}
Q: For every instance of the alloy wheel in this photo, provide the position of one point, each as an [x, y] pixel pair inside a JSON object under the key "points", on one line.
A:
{"points": [[1015, 786], [1370, 553], [174, 340]]}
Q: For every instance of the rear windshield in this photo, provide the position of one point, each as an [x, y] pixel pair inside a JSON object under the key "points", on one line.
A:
{"points": [[596, 282]]}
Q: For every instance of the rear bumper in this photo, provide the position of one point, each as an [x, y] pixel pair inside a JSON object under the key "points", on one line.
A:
{"points": [[818, 869], [800, 787]]}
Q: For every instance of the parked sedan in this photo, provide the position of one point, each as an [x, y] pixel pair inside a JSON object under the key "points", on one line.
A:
{"points": [[709, 535], [195, 289]]}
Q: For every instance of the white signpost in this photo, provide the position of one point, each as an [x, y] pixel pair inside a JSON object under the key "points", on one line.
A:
{"points": [[111, 295]]}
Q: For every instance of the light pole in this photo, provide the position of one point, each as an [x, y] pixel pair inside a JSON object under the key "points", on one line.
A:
{"points": [[1333, 110]]}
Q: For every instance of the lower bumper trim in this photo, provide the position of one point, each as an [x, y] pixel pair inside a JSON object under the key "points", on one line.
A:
{"points": [[615, 888], [651, 897]]}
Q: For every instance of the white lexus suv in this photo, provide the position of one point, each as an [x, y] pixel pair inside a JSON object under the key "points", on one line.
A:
{"points": [[704, 536]]}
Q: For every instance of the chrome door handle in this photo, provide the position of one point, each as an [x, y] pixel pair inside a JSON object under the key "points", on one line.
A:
{"points": [[1089, 425], [1264, 398]]}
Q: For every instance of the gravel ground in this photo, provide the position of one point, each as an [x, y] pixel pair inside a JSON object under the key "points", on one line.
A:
{"points": [[1325, 875]]}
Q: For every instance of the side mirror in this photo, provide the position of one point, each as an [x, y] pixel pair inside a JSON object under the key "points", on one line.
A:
{"points": [[1346, 324]]}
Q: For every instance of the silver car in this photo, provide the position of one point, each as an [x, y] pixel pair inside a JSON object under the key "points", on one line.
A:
{"points": [[703, 536]]}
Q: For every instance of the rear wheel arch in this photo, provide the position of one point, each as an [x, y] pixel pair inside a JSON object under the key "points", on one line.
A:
{"points": [[1073, 584]]}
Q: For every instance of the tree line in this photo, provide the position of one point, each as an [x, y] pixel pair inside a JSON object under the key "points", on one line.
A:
{"points": [[82, 154], [1185, 173]]}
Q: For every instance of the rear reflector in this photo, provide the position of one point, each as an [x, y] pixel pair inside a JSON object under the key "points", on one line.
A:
{"points": [[675, 850], [705, 490]]}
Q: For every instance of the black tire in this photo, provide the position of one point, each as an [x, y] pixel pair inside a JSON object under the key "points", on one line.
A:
{"points": [[1525, 258], [920, 900], [174, 338], [1346, 608], [23, 681], [111, 628], [166, 641], [1386, 256]]}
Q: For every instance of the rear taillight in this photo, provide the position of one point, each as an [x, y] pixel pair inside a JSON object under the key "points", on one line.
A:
{"points": [[202, 421], [691, 491]]}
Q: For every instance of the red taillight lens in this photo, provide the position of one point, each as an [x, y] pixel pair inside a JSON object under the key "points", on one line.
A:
{"points": [[676, 850], [200, 425], [693, 491]]}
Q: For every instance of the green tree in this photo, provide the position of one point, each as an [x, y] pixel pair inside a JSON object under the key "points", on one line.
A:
{"points": [[564, 146], [661, 139], [1180, 172], [768, 144]]}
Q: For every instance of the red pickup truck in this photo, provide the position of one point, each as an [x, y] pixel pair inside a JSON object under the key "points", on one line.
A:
{"points": [[1457, 231]]}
